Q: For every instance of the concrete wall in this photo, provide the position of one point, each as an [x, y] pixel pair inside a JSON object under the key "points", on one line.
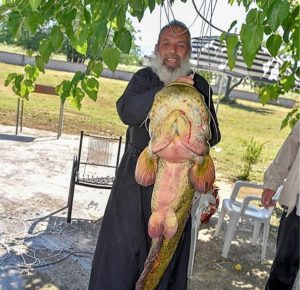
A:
{"points": [[22, 60]]}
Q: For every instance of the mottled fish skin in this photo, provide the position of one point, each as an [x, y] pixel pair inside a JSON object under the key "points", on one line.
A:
{"points": [[162, 249], [177, 162]]}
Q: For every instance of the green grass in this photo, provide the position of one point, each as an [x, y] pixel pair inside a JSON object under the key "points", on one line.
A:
{"points": [[240, 121]]}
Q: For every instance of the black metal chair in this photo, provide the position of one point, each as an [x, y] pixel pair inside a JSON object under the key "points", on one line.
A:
{"points": [[95, 165]]}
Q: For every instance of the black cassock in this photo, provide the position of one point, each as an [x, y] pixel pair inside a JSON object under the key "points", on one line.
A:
{"points": [[123, 242]]}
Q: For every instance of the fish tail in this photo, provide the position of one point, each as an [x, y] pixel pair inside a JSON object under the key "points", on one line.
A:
{"points": [[149, 264]]}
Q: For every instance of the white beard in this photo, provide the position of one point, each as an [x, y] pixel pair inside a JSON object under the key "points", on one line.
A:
{"points": [[168, 75]]}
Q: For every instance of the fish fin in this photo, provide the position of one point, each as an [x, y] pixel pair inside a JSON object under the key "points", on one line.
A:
{"points": [[170, 225], [155, 225], [146, 168], [202, 174]]}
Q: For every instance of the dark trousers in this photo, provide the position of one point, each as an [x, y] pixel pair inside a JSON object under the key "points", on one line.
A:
{"points": [[286, 263]]}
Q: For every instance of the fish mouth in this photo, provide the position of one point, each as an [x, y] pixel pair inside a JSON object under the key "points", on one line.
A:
{"points": [[176, 140]]}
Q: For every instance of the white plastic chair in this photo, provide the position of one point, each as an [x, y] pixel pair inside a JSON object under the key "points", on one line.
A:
{"points": [[201, 202], [236, 210]]}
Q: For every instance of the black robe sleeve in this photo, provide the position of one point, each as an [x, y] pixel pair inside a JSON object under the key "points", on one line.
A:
{"points": [[204, 88], [134, 105]]}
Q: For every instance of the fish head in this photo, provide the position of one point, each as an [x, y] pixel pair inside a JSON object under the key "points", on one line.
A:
{"points": [[179, 123]]}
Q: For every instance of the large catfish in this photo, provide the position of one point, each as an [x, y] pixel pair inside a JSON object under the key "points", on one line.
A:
{"points": [[177, 161]]}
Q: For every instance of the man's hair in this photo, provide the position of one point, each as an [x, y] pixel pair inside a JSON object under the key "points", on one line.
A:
{"points": [[176, 23]]}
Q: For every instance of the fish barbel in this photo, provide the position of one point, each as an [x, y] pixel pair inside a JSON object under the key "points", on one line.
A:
{"points": [[177, 162]]}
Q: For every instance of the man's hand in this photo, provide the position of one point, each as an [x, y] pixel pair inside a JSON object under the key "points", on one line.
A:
{"points": [[186, 79], [266, 198]]}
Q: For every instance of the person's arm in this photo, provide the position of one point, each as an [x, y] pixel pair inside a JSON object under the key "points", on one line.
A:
{"points": [[134, 105], [266, 198], [203, 87], [278, 170]]}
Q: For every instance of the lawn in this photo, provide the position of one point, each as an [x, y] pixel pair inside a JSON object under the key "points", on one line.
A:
{"points": [[241, 121]]}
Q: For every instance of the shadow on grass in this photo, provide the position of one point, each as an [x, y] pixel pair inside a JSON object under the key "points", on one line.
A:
{"points": [[263, 110]]}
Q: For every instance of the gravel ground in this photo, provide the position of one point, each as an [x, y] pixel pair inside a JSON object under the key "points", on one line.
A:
{"points": [[38, 250]]}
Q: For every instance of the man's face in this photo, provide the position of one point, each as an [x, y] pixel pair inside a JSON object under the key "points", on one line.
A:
{"points": [[173, 46]]}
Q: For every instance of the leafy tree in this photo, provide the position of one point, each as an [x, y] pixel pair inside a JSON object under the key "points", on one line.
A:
{"points": [[273, 24], [88, 24]]}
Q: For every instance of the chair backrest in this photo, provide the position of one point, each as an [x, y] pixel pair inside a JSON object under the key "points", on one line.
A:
{"points": [[239, 184], [98, 151]]}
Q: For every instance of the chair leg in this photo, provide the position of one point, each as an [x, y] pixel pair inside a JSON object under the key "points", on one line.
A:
{"points": [[71, 191], [194, 238], [233, 221], [256, 230], [265, 240], [220, 221]]}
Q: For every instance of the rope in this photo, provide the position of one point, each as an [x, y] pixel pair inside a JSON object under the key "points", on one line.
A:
{"points": [[20, 245]]}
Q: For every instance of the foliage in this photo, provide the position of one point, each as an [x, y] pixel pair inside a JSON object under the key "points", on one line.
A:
{"points": [[291, 118], [273, 24], [251, 156], [88, 24]]}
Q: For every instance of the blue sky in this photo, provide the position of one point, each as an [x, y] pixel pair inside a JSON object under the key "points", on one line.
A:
{"points": [[150, 25]]}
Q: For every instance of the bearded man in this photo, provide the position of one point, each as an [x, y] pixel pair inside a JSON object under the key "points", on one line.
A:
{"points": [[123, 242]]}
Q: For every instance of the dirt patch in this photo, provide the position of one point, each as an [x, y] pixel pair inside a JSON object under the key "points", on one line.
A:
{"points": [[38, 250]]}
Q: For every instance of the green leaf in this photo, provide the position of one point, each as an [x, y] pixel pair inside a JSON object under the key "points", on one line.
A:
{"points": [[232, 25], [56, 38], [77, 98], [31, 72], [9, 78], [268, 93], [267, 30], [66, 16], [105, 9], [121, 18], [151, 5], [277, 13], [64, 90], [34, 4], [251, 38], [91, 87], [40, 63], [137, 4], [111, 57], [273, 44], [45, 50], [123, 40], [95, 68], [223, 36], [34, 21], [296, 42], [99, 32], [291, 118], [87, 16], [255, 17], [287, 82], [80, 40], [77, 78], [17, 85], [14, 23], [284, 67], [289, 23], [232, 43]]}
